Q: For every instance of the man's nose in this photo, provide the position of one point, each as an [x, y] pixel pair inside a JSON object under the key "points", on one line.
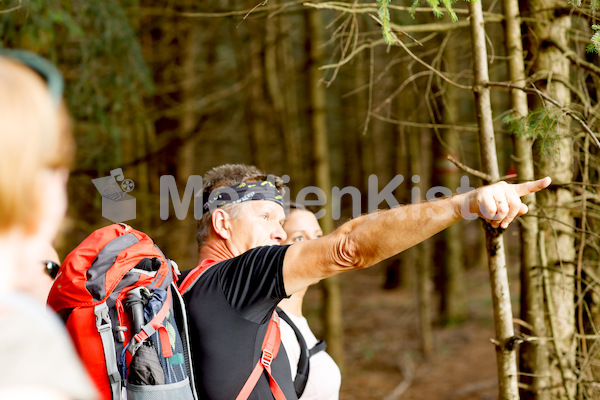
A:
{"points": [[279, 234]]}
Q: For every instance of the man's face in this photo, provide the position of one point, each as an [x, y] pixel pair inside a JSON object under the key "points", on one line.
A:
{"points": [[259, 224]]}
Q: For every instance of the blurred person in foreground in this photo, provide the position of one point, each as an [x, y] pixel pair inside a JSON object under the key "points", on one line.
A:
{"points": [[324, 378], [38, 285], [243, 273], [38, 360]]}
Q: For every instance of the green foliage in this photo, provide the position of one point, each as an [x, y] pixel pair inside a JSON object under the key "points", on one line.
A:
{"points": [[594, 46], [540, 124], [37, 26], [384, 17], [112, 78], [96, 48], [384, 14], [437, 11]]}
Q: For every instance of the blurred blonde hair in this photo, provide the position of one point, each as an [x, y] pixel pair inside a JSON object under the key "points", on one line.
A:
{"points": [[35, 135]]}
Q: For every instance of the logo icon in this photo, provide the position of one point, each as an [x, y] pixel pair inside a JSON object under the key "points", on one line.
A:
{"points": [[117, 205]]}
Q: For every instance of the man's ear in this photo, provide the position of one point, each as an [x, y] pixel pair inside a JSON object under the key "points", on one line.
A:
{"points": [[220, 222]]}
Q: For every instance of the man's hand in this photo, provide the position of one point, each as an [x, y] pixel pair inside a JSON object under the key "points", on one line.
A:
{"points": [[500, 203]]}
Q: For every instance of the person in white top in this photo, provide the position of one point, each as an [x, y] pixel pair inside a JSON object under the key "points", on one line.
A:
{"points": [[324, 377], [38, 358]]}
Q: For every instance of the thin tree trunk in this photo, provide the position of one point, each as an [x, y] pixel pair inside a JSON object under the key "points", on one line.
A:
{"points": [[255, 101], [503, 317], [366, 160], [184, 248], [419, 163], [453, 302], [557, 231], [533, 355], [401, 272], [333, 301], [294, 145], [278, 67]]}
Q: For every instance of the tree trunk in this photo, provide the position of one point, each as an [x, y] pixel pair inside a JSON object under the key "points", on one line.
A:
{"points": [[333, 300], [281, 84], [420, 163], [183, 231], [533, 355], [557, 233], [295, 145], [453, 301], [505, 354], [366, 156], [256, 104], [400, 272]]}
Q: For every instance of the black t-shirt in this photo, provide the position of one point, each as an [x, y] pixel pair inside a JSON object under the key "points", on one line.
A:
{"points": [[229, 308]]}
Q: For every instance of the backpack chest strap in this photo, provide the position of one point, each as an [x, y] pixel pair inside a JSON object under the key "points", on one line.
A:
{"points": [[269, 350]]}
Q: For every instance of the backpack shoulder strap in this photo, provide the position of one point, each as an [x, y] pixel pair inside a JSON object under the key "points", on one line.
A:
{"points": [[104, 327], [269, 350], [191, 278], [303, 362], [320, 346]]}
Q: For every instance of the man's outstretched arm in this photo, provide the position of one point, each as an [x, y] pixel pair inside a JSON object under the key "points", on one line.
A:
{"points": [[369, 239]]}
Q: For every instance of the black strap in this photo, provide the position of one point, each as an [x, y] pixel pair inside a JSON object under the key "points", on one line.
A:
{"points": [[320, 346], [303, 362]]}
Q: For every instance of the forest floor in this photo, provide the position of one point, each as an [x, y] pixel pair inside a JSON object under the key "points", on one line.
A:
{"points": [[382, 346]]}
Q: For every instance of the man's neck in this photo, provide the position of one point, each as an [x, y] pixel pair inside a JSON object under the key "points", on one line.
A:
{"points": [[214, 250]]}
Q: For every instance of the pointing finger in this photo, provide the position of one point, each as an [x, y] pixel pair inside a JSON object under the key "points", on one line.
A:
{"points": [[526, 188]]}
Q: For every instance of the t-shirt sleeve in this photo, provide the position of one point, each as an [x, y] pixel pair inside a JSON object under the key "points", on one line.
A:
{"points": [[253, 282]]}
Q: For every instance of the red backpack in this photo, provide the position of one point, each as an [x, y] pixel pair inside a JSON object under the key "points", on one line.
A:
{"points": [[116, 294]]}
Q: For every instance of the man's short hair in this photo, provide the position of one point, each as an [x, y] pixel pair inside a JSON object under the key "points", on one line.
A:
{"points": [[224, 176]]}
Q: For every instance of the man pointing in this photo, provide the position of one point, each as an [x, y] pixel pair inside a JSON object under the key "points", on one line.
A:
{"points": [[243, 273]]}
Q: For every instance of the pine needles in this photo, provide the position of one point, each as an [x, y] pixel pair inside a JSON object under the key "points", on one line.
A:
{"points": [[437, 9], [540, 124]]}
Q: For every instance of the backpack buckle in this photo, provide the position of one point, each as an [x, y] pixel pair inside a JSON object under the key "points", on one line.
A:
{"points": [[267, 358], [102, 317]]}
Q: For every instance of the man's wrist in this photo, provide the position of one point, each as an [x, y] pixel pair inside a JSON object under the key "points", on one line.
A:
{"points": [[462, 206]]}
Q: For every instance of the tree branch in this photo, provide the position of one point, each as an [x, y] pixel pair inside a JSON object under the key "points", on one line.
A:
{"points": [[435, 71], [372, 8], [424, 125], [550, 100], [477, 173], [430, 27], [441, 26], [350, 56], [481, 175], [259, 8], [15, 8]]}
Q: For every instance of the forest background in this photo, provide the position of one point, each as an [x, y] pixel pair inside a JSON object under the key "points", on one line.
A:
{"points": [[318, 91]]}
